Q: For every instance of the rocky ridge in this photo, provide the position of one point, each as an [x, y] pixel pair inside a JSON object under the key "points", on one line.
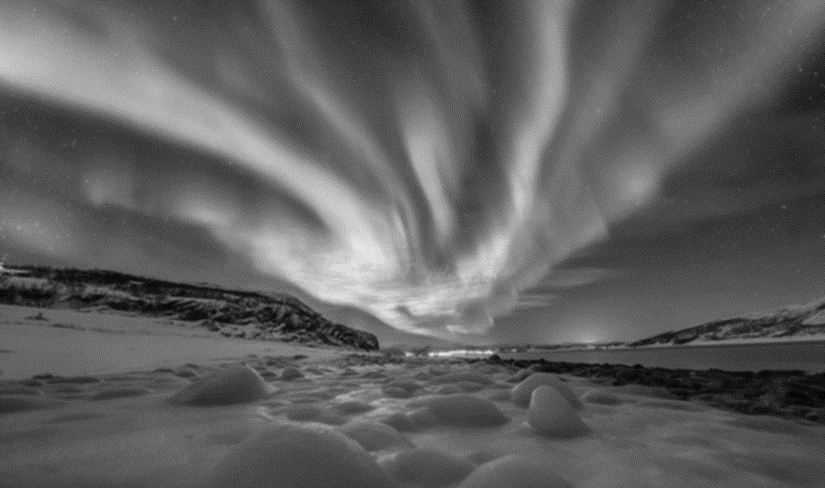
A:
{"points": [[790, 322], [231, 313]]}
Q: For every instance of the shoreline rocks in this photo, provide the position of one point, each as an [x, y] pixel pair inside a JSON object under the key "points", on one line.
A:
{"points": [[791, 394]]}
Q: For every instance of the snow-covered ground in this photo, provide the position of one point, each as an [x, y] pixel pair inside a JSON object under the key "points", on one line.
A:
{"points": [[318, 423], [72, 343], [400, 427]]}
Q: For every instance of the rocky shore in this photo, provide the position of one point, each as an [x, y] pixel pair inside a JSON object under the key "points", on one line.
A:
{"points": [[791, 394]]}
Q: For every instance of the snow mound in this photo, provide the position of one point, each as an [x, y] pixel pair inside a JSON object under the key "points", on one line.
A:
{"points": [[399, 422], [522, 391], [514, 471], [552, 415], [462, 410], [426, 467], [375, 436], [298, 456], [239, 384]]}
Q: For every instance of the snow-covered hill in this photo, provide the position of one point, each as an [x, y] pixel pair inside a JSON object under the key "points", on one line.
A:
{"points": [[230, 313], [799, 322]]}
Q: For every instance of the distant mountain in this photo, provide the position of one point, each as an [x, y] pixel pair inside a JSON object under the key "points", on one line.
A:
{"points": [[795, 322], [231, 313]]}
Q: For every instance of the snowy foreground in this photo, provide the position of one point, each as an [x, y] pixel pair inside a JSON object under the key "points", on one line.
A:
{"points": [[326, 424], [330, 420]]}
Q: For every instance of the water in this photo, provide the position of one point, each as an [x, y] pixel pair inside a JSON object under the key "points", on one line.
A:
{"points": [[808, 356]]}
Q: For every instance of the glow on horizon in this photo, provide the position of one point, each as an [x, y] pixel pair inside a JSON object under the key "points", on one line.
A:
{"points": [[461, 352]]}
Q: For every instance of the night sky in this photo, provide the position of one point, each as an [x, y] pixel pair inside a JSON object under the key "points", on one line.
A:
{"points": [[479, 172]]}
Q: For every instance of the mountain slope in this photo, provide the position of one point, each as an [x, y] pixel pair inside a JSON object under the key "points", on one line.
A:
{"points": [[797, 322], [231, 313]]}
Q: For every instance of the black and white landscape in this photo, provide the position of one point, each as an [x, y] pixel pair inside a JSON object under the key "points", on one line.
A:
{"points": [[528, 243]]}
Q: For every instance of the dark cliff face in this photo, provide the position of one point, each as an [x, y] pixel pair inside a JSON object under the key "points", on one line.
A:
{"points": [[232, 313]]}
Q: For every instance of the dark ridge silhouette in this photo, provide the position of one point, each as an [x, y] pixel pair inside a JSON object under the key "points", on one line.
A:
{"points": [[232, 313]]}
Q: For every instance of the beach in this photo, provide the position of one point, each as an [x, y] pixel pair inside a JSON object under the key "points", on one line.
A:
{"points": [[270, 414]]}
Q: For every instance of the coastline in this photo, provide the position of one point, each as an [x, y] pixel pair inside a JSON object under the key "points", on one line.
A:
{"points": [[791, 394], [730, 343], [54, 346]]}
